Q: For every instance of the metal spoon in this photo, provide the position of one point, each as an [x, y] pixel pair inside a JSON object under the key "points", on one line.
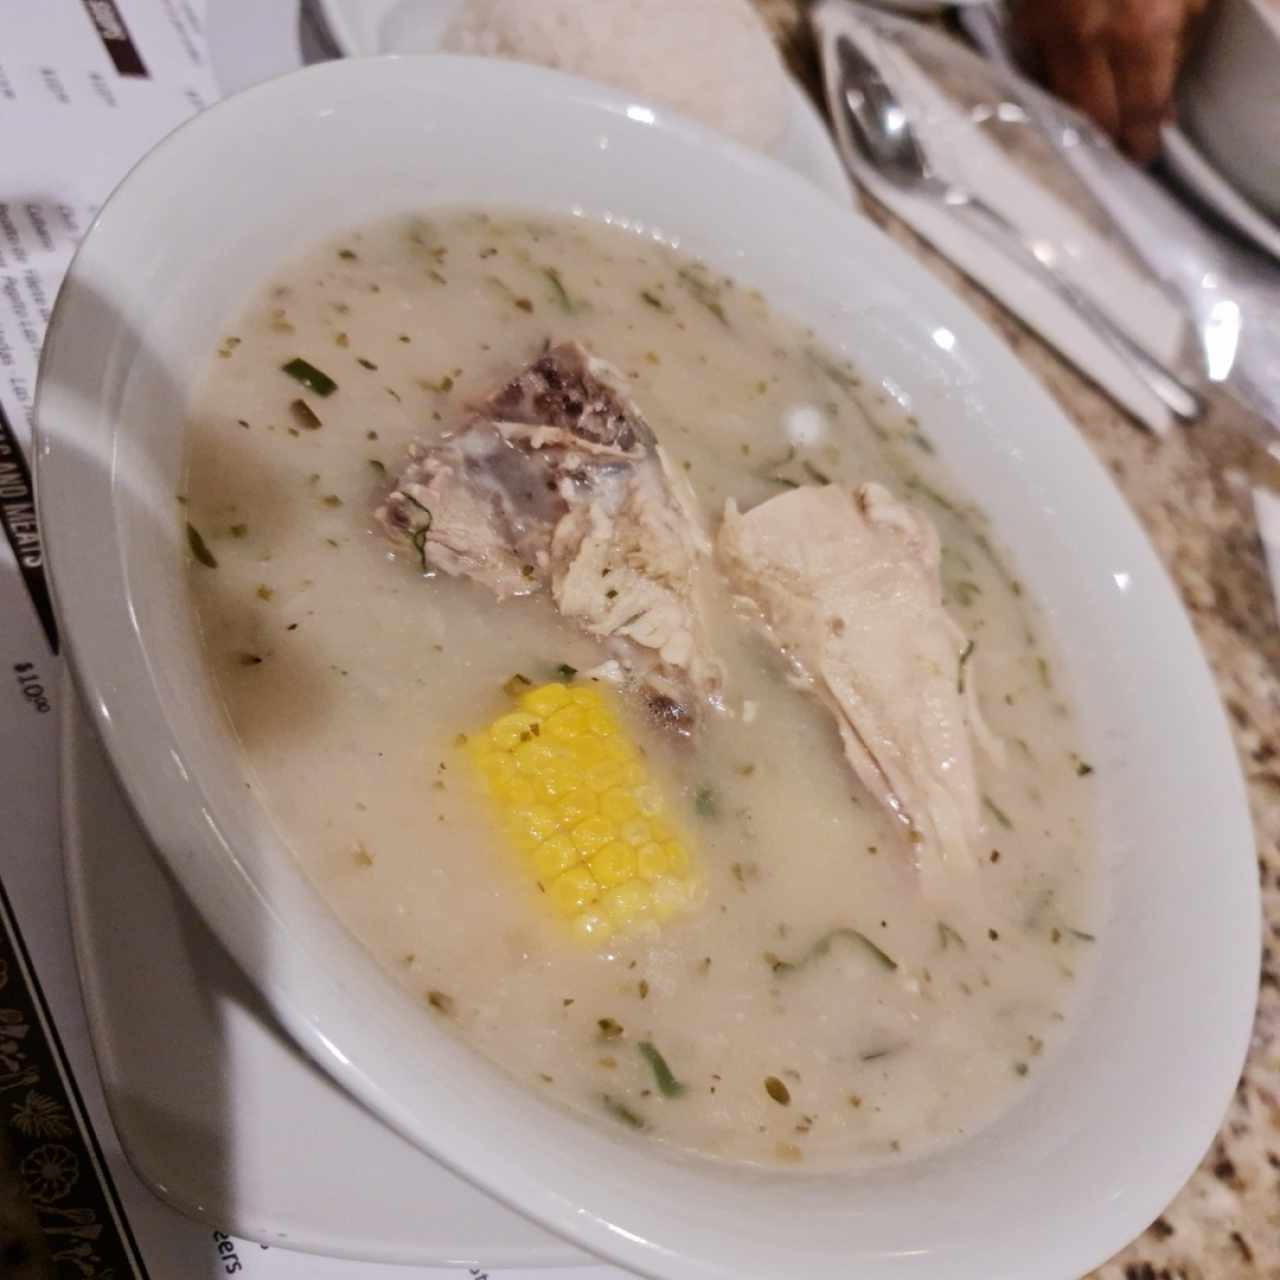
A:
{"points": [[884, 135]]}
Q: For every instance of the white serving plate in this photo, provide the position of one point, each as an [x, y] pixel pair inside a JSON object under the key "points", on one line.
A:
{"points": [[1113, 1123], [219, 1112], [364, 28]]}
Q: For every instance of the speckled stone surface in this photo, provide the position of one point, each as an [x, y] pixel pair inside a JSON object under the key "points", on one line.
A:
{"points": [[1192, 493]]}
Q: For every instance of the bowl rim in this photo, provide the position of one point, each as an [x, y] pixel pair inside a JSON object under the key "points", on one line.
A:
{"points": [[94, 673]]}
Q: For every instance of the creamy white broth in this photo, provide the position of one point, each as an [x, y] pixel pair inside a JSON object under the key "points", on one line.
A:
{"points": [[347, 677]]}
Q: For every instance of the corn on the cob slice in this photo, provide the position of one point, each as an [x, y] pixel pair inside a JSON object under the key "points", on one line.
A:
{"points": [[575, 800]]}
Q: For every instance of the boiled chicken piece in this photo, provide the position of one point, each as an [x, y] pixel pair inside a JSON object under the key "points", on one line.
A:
{"points": [[847, 583], [557, 484]]}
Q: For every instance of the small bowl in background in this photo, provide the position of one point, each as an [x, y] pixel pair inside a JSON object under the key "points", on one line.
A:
{"points": [[1229, 97]]}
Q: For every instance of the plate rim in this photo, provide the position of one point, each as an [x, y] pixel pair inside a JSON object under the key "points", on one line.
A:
{"points": [[77, 737], [818, 159]]}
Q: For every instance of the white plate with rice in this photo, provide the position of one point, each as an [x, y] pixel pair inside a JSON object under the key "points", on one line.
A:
{"points": [[743, 90]]}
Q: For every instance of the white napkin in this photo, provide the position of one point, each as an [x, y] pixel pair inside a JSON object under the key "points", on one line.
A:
{"points": [[961, 152]]}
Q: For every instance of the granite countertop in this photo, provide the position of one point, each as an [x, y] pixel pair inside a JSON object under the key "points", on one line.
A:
{"points": [[1191, 491]]}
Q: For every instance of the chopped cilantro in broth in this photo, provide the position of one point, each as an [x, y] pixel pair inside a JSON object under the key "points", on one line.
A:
{"points": [[815, 964]]}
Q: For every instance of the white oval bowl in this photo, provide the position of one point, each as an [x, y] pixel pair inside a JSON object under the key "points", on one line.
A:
{"points": [[1110, 1127]]}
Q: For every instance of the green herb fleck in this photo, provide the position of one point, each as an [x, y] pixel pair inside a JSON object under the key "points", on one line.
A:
{"points": [[703, 291], [1083, 769], [984, 545], [653, 300], [239, 530], [366, 364], [947, 935], [705, 802], [200, 548], [998, 813], [560, 293], [378, 465], [777, 1091], [566, 672], [305, 416], [620, 1111], [916, 485], [610, 1029], [312, 378], [1080, 935], [440, 1002], [876, 1054], [841, 374], [418, 536], [823, 947], [348, 255], [667, 1084], [965, 655], [516, 684]]}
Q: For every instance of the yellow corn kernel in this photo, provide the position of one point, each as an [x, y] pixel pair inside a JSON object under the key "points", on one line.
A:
{"points": [[651, 860], [614, 863], [545, 700], [574, 797], [554, 856], [618, 804], [506, 732], [635, 832], [627, 902], [592, 833], [516, 792], [538, 822], [568, 723], [577, 805], [573, 890], [677, 857]]}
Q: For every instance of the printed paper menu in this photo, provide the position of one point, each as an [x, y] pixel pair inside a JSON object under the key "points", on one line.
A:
{"points": [[86, 88]]}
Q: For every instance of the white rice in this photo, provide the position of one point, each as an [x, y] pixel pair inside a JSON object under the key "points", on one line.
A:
{"points": [[709, 59]]}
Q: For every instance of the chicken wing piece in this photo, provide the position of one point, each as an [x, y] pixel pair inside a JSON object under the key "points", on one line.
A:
{"points": [[847, 584], [557, 484]]}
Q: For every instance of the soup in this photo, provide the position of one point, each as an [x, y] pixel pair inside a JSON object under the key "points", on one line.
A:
{"points": [[824, 987]]}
